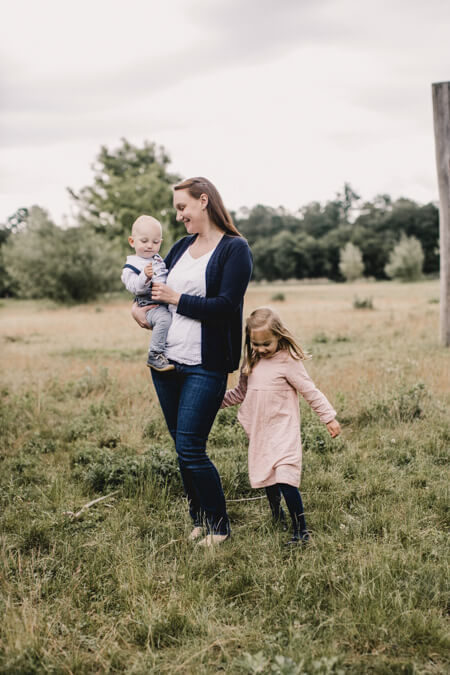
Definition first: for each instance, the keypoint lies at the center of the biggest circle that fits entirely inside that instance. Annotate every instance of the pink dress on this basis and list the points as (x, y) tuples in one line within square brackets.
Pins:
[(270, 416)]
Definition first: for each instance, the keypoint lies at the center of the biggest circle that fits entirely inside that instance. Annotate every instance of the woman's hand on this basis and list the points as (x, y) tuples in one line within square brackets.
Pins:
[(139, 315), (164, 293), (334, 428)]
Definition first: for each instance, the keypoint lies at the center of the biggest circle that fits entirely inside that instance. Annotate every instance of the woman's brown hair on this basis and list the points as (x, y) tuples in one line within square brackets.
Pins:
[(265, 317), (216, 210)]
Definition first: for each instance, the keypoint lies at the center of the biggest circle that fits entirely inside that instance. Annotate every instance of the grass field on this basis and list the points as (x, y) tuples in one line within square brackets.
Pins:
[(120, 589)]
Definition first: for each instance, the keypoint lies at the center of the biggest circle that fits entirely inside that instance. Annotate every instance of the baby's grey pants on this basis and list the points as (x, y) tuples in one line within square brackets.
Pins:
[(159, 319)]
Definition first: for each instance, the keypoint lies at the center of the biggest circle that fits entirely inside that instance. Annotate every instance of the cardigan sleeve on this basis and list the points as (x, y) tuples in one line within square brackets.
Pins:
[(235, 275), (236, 395), (298, 378)]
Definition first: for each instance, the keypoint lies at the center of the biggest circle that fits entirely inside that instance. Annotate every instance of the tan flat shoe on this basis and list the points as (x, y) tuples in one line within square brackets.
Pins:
[(196, 533), (213, 539)]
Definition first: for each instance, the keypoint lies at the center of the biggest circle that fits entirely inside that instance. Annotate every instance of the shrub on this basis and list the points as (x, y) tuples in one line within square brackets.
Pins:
[(72, 265), (362, 303), (104, 470), (406, 260), (404, 406), (351, 265), (278, 297), (170, 629), (321, 338), (155, 429), (315, 437), (92, 422), (91, 382), (39, 443), (226, 431)]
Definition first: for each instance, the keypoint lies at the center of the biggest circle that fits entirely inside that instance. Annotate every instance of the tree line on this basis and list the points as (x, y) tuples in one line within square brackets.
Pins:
[(309, 244), (342, 238)]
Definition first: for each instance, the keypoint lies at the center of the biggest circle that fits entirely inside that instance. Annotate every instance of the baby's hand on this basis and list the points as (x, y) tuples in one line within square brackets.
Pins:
[(148, 269), (334, 428)]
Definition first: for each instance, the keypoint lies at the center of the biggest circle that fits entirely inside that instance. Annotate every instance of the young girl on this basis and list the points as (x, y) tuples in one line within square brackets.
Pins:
[(271, 376)]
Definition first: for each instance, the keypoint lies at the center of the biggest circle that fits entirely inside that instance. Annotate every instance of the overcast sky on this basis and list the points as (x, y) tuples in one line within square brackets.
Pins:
[(276, 101)]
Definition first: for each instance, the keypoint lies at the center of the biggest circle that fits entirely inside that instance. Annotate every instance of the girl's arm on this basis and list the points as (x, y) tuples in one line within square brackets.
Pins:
[(298, 378), (236, 395)]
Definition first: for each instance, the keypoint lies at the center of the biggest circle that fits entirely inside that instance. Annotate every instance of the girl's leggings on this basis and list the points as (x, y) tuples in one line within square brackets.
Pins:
[(294, 503)]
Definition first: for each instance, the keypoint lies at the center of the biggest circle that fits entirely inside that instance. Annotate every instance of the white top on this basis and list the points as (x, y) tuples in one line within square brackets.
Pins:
[(184, 339)]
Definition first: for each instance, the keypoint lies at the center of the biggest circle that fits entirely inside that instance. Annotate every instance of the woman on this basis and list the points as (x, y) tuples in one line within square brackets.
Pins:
[(209, 271)]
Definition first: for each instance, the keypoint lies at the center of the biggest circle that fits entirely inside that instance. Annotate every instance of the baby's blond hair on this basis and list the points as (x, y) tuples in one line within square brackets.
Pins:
[(144, 221)]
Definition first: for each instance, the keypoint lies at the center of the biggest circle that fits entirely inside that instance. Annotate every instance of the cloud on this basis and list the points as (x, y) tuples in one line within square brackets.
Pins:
[(231, 33), (276, 84)]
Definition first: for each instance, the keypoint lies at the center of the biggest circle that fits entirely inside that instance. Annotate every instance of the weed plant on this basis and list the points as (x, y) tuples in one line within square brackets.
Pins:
[(362, 303), (278, 297), (121, 589)]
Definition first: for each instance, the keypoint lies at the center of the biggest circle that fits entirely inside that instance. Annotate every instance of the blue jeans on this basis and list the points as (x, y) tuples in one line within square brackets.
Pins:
[(190, 397)]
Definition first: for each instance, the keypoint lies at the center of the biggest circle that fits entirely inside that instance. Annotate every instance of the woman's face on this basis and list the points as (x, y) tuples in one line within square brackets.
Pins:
[(190, 211)]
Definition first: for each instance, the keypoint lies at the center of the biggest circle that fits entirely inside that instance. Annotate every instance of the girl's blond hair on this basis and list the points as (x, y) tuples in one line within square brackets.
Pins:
[(265, 317)]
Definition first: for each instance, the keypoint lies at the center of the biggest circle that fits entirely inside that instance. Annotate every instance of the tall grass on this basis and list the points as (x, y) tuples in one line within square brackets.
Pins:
[(120, 589)]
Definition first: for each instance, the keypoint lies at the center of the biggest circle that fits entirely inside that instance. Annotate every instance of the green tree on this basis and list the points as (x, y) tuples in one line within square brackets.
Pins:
[(351, 264), (347, 199), (15, 223), (287, 255), (406, 260), (72, 265), (265, 221), (284, 255), (381, 223), (263, 252), (421, 222), (318, 220), (5, 281), (128, 182)]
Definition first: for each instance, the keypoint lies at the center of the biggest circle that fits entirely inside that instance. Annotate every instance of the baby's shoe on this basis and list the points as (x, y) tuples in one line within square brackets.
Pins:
[(159, 362)]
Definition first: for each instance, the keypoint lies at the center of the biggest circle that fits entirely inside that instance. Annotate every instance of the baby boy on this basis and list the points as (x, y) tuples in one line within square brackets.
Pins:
[(137, 275)]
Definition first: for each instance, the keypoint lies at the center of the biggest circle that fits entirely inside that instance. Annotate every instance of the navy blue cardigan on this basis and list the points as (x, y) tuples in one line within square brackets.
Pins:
[(220, 312)]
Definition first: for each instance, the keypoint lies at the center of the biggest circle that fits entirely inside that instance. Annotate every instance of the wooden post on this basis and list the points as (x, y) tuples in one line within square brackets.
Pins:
[(441, 110)]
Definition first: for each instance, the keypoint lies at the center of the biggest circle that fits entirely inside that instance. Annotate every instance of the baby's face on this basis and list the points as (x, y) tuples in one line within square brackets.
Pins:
[(146, 240)]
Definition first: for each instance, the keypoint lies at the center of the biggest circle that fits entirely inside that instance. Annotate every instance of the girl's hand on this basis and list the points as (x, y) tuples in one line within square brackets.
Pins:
[(334, 428), (163, 293), (139, 315)]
